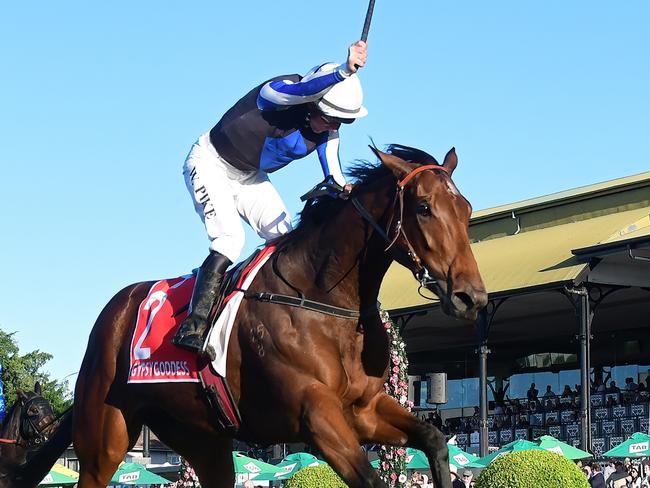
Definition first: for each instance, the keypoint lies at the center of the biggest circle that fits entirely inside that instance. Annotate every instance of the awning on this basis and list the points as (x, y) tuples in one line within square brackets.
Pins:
[(527, 261)]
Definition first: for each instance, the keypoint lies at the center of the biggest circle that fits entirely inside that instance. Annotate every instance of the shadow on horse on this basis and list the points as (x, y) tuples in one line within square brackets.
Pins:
[(295, 374), (28, 423)]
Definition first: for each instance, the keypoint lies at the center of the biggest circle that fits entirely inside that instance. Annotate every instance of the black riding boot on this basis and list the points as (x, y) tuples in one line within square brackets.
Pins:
[(191, 333)]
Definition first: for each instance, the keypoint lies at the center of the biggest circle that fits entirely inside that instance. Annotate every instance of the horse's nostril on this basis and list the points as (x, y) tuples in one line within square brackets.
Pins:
[(467, 300)]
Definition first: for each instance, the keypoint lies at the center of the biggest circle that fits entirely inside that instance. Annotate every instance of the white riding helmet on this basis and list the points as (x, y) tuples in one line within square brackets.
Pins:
[(345, 99)]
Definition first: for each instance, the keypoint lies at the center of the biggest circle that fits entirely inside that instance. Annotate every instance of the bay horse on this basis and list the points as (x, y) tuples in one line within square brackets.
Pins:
[(297, 375), (28, 423)]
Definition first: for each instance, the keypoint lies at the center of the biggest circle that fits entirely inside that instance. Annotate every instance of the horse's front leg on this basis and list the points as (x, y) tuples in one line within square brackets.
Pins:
[(385, 421), (325, 426)]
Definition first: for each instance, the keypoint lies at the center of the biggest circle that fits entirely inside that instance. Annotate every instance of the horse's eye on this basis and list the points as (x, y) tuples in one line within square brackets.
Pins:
[(424, 209)]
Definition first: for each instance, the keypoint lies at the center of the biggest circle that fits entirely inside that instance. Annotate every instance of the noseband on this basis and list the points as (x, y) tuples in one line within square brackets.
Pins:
[(420, 272), (32, 431)]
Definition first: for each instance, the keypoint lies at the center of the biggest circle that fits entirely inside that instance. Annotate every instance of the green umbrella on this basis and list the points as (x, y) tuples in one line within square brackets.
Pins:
[(416, 459), (460, 458), (57, 479), (550, 443), (514, 446), (638, 445), (136, 474), (290, 465), (252, 467)]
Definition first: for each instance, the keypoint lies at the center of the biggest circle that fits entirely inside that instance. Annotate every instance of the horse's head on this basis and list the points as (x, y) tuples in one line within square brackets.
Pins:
[(36, 419), (430, 227)]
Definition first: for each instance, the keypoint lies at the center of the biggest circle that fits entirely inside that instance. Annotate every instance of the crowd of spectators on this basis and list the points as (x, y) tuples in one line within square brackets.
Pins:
[(619, 474), (519, 413)]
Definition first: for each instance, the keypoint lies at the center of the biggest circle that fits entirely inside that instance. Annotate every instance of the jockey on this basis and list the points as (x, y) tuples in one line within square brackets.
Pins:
[(226, 171)]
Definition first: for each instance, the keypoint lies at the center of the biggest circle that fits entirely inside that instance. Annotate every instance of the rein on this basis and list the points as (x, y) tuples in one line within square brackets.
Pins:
[(421, 273)]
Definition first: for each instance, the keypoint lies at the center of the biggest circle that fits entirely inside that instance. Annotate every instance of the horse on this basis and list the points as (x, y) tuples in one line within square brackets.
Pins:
[(29, 422), (296, 374)]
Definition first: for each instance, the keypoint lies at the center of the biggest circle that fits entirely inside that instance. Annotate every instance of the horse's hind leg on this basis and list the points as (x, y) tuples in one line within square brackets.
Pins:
[(385, 421), (325, 425)]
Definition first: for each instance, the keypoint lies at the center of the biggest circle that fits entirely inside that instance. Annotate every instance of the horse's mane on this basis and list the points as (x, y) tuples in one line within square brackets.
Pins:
[(363, 174), (11, 425)]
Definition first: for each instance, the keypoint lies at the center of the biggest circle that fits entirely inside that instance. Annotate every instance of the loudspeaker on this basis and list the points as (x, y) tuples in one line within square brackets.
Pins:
[(437, 388)]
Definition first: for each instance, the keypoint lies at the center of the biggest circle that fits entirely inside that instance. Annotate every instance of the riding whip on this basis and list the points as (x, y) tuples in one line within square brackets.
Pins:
[(366, 24)]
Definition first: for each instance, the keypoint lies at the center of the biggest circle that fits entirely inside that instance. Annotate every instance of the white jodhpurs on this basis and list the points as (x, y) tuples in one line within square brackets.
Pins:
[(222, 194)]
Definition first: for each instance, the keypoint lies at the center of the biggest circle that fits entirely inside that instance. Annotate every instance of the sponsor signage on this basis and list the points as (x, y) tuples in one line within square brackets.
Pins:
[(461, 459), (129, 477), (251, 468), (639, 447)]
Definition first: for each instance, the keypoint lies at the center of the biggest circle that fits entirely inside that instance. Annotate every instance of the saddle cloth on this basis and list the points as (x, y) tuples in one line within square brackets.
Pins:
[(153, 357)]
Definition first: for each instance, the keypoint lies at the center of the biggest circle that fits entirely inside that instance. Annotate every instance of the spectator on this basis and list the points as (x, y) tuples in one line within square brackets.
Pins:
[(435, 419), (455, 481), (634, 477), (613, 388), (500, 393), (597, 479), (630, 385), (467, 478), (617, 478), (586, 470), (645, 479), (567, 393), (599, 386), (549, 392), (532, 392), (647, 381)]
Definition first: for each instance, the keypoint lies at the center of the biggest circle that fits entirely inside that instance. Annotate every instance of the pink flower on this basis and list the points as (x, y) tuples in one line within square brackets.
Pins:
[(401, 451), (393, 476)]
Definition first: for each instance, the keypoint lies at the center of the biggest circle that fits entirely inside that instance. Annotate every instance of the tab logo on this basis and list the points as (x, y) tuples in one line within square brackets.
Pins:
[(461, 459), (639, 447), (128, 477)]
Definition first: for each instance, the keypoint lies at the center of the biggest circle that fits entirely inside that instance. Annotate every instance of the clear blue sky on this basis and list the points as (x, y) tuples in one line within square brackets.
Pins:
[(100, 102)]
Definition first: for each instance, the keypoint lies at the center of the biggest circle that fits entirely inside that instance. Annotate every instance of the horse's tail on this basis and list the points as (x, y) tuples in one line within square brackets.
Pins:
[(30, 474)]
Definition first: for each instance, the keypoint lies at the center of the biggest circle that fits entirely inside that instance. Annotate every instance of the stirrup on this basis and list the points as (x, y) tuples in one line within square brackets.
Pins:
[(207, 352)]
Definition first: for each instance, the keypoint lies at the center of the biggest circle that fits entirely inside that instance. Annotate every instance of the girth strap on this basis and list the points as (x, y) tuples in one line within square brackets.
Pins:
[(312, 305)]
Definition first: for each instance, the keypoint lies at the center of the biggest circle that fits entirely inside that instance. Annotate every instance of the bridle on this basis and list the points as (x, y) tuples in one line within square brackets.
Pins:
[(33, 429), (420, 271)]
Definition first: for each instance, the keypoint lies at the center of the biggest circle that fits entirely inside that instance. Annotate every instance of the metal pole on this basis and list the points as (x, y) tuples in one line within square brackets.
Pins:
[(483, 352), (146, 434), (584, 336)]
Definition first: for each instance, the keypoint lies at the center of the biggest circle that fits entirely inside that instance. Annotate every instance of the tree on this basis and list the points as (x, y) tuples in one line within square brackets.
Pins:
[(321, 476), (20, 372), (538, 468)]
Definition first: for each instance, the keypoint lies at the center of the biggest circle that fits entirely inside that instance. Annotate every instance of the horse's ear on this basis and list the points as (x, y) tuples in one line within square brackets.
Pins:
[(37, 388), (398, 166), (21, 394), (451, 161)]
